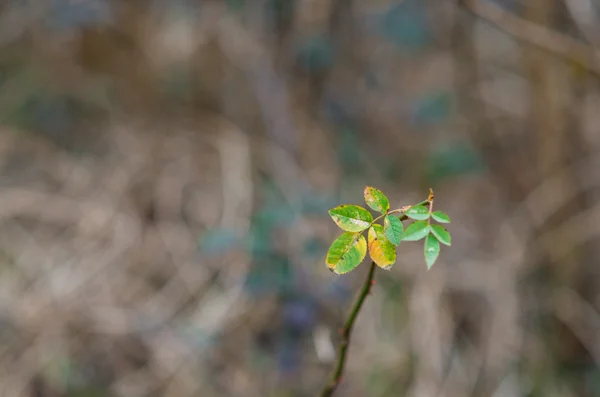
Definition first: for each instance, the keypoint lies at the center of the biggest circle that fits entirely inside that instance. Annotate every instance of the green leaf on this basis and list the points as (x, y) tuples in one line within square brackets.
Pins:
[(416, 231), (346, 252), (381, 250), (432, 250), (418, 212), (376, 199), (351, 218), (441, 234), (393, 228), (440, 217)]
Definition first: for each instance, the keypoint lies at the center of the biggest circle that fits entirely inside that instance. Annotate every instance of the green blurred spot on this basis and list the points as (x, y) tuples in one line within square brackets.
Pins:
[(592, 381), (235, 5), (260, 239), (316, 53), (270, 273), (281, 215), (391, 169), (177, 84), (406, 25), (199, 337), (216, 241), (281, 12), (314, 203), (377, 380), (349, 151), (433, 109), (451, 161), (314, 248), (264, 224), (275, 212), (88, 392)]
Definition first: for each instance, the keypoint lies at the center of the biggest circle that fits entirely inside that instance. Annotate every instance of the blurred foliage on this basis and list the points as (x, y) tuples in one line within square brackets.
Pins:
[(453, 160), (433, 109), (405, 25), (316, 54), (270, 273), (216, 241), (64, 14)]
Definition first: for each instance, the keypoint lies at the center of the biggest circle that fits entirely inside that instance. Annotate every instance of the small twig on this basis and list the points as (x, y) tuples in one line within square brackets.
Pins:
[(584, 16), (559, 44), (336, 376)]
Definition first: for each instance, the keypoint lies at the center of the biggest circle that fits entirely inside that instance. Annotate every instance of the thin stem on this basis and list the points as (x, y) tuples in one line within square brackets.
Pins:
[(430, 201), (402, 210), (397, 211), (336, 376)]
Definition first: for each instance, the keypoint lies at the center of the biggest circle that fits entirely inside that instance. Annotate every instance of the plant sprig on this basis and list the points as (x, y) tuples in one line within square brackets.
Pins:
[(350, 248)]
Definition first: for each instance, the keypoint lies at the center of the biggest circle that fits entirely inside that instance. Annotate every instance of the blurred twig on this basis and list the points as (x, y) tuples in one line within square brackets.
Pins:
[(586, 19), (17, 18), (540, 36), (581, 317), (482, 130), (512, 182)]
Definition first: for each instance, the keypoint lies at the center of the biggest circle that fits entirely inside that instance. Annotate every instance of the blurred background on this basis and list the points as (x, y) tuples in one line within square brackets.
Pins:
[(166, 168)]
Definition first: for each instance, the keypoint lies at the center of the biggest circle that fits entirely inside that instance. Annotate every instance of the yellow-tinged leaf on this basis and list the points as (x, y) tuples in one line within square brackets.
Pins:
[(351, 218), (381, 250), (346, 252), (376, 199)]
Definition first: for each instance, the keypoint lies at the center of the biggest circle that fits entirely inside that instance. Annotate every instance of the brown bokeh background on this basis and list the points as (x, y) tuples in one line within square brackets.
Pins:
[(166, 168)]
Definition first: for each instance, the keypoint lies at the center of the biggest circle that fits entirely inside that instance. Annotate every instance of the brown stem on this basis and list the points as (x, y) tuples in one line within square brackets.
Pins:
[(336, 376)]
